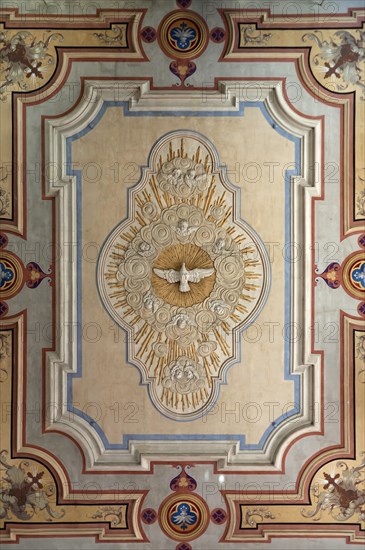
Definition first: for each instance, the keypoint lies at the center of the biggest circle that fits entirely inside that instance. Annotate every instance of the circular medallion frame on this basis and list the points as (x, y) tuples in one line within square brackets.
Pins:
[(174, 512), (354, 265), (183, 35), (12, 275)]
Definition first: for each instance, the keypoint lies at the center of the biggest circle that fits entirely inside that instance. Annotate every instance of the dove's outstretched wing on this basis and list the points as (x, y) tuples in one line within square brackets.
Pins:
[(170, 275), (196, 275)]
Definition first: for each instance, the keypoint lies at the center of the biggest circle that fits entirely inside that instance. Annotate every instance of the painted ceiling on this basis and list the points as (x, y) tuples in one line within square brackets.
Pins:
[(182, 314)]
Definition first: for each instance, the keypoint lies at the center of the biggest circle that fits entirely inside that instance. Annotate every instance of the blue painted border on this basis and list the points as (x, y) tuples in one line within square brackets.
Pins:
[(287, 346)]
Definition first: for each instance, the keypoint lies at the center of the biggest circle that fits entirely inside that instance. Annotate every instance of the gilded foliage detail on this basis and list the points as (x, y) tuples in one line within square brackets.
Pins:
[(23, 56), (23, 492), (343, 494)]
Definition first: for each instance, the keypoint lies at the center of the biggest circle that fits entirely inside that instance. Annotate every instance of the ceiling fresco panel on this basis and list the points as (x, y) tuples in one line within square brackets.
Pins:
[(182, 266)]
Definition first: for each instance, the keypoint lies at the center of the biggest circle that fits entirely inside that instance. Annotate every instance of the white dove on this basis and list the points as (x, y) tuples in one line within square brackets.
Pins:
[(184, 276)]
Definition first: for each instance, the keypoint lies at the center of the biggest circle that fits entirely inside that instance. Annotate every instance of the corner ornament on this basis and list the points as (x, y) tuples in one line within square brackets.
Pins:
[(340, 59), (183, 275), (343, 494)]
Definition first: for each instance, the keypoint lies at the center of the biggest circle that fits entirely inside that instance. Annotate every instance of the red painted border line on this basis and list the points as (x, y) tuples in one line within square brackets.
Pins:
[(133, 471), (265, 19), (102, 19), (306, 531), (74, 527), (350, 97)]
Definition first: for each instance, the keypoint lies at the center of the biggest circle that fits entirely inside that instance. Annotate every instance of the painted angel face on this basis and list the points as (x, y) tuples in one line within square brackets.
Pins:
[(183, 226)]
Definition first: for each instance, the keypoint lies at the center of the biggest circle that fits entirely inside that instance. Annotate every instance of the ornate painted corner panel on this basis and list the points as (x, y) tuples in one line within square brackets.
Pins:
[(182, 266)]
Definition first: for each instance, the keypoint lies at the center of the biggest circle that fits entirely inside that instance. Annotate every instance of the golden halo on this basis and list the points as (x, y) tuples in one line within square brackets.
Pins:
[(172, 258)]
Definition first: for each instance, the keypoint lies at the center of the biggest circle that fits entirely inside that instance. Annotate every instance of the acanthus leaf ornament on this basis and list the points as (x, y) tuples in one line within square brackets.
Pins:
[(343, 494), (22, 56)]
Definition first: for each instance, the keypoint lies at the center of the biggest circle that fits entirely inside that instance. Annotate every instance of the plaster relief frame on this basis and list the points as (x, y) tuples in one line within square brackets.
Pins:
[(70, 451), (304, 188)]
